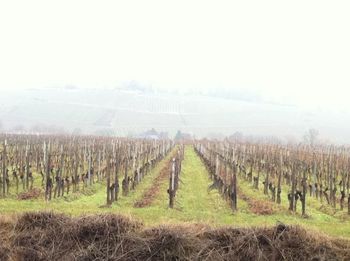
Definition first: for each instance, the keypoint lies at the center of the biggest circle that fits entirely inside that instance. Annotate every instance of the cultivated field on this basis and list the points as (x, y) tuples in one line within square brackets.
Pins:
[(202, 200)]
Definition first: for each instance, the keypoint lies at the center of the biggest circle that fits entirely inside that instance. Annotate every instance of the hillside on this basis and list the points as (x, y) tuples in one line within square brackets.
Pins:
[(131, 110)]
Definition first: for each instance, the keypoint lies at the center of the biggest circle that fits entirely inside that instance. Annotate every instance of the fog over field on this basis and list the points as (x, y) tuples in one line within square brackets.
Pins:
[(266, 68), (132, 109), (174, 130)]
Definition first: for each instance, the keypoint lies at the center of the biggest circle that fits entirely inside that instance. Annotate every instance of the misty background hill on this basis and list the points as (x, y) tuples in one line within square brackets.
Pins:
[(133, 109)]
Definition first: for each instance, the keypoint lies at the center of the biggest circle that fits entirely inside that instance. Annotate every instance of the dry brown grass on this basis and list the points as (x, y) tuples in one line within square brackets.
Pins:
[(6, 227), (258, 206), (48, 236), (30, 194), (152, 192)]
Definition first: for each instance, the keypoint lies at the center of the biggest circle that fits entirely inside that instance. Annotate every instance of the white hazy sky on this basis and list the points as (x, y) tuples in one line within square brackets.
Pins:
[(288, 51)]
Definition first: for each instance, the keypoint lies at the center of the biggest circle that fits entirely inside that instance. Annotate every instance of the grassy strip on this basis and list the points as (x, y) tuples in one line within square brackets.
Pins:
[(152, 192)]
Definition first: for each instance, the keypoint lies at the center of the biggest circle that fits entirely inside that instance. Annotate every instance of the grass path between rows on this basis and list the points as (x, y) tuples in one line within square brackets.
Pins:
[(192, 202)]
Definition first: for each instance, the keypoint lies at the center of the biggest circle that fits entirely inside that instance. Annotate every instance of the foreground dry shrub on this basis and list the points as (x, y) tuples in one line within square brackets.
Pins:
[(48, 236), (102, 237), (166, 243), (6, 227), (40, 236), (4, 252), (278, 243)]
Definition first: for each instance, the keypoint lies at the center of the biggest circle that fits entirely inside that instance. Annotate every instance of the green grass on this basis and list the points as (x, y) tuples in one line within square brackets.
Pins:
[(193, 203)]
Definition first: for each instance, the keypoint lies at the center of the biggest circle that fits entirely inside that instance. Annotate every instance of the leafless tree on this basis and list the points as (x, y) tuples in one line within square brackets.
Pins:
[(311, 137)]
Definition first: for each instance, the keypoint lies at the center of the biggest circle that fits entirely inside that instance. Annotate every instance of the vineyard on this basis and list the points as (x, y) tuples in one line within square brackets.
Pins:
[(292, 173), (172, 191)]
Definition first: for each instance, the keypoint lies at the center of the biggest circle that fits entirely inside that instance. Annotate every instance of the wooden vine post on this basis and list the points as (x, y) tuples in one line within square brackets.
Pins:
[(108, 180), (4, 159), (291, 196), (61, 180), (279, 190), (89, 166), (27, 166), (76, 167), (234, 187), (116, 177), (266, 182), (303, 198), (125, 185), (47, 158), (171, 190), (99, 166)]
